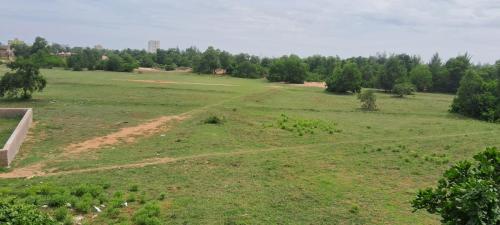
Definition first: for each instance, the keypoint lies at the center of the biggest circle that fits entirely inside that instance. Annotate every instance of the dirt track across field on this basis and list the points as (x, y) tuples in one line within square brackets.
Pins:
[(175, 82), (127, 135)]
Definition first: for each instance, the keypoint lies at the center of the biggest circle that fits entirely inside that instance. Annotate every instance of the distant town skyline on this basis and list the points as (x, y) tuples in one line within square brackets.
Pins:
[(267, 28)]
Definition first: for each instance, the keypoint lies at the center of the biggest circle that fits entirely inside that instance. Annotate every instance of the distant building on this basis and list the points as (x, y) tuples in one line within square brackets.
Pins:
[(98, 47), (6, 52), (153, 45)]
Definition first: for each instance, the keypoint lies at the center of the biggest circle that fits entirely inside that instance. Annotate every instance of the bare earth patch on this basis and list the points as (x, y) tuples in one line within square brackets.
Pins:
[(127, 135), (312, 84), (174, 82)]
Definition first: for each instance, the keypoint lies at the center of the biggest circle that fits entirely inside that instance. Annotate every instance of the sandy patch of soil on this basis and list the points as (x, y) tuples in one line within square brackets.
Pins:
[(312, 84), (25, 172), (157, 70), (174, 82), (126, 134)]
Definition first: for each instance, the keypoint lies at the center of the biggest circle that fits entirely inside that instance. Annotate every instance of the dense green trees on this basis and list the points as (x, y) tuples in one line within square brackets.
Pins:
[(394, 72), (456, 68), (23, 81), (346, 78), (468, 193), (421, 77), (477, 97), (289, 69)]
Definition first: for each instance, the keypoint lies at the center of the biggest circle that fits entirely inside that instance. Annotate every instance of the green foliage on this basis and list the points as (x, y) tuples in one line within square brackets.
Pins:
[(289, 69), (208, 62), (305, 126), (134, 188), (457, 68), (346, 78), (477, 98), (402, 89), (468, 193), (61, 214), (25, 80), (22, 214), (368, 100), (149, 214), (394, 72), (214, 119), (421, 77)]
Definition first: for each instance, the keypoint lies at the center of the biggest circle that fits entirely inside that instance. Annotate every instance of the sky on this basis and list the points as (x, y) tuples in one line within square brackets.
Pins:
[(266, 27)]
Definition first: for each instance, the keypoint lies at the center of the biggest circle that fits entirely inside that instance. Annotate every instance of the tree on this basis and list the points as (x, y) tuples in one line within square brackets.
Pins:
[(368, 100), (394, 71), (476, 98), (25, 80), (289, 69), (114, 63), (403, 88), (421, 77), (456, 67), (208, 62), (344, 79), (468, 193), (39, 44)]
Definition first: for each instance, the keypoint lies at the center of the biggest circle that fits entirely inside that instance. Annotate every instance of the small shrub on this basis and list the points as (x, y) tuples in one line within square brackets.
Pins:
[(214, 120), (368, 101), (84, 204), (60, 214), (57, 200), (142, 198), (163, 195), (131, 198), (21, 214), (149, 214), (403, 89), (134, 188)]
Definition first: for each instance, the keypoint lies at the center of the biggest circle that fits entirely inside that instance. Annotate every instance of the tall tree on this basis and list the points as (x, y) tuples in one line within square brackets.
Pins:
[(456, 68), (421, 77), (394, 71), (344, 79), (25, 80)]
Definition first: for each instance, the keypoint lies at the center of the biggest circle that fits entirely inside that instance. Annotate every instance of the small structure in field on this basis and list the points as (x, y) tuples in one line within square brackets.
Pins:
[(11, 147)]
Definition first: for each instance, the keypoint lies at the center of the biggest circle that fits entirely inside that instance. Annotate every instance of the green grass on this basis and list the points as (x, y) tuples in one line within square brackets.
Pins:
[(248, 170), (7, 126)]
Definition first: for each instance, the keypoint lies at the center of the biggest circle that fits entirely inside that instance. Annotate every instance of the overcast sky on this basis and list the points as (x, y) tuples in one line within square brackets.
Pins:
[(265, 27)]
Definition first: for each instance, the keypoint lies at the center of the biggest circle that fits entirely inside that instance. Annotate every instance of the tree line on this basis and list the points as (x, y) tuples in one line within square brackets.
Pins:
[(476, 85)]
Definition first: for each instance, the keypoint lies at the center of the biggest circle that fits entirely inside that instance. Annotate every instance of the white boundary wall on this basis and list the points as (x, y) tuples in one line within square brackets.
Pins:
[(11, 147)]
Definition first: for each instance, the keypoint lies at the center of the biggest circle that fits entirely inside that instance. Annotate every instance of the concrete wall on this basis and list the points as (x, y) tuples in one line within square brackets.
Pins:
[(11, 147)]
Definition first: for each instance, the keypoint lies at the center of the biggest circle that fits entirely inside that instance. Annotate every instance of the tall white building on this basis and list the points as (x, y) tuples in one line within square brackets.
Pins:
[(153, 45)]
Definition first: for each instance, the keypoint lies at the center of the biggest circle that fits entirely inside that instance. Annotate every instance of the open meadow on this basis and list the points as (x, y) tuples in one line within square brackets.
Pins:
[(224, 150)]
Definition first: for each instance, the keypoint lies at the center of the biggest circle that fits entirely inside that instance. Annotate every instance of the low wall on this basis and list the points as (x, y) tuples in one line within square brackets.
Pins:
[(11, 147)]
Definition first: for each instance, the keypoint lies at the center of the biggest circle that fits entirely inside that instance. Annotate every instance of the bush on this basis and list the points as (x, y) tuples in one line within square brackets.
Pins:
[(84, 204), (402, 89), (344, 79), (214, 120), (61, 214), (368, 100), (134, 188), (477, 98), (468, 193), (148, 215), (289, 69), (22, 214)]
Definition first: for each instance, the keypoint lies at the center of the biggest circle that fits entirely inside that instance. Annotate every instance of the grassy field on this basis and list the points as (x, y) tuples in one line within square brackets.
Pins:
[(348, 167), (7, 126)]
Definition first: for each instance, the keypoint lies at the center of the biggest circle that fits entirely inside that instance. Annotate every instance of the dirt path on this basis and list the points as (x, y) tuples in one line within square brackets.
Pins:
[(127, 135), (175, 82), (35, 170)]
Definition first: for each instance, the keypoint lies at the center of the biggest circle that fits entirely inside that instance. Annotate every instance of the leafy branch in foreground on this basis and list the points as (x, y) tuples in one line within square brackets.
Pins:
[(468, 193)]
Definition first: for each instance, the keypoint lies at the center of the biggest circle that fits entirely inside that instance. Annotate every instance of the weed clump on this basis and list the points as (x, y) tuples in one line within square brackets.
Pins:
[(214, 120), (149, 214), (305, 126)]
